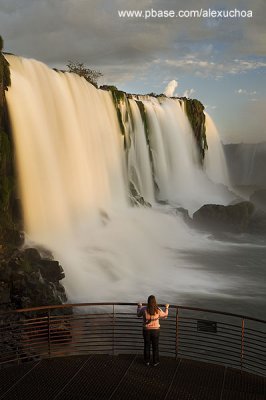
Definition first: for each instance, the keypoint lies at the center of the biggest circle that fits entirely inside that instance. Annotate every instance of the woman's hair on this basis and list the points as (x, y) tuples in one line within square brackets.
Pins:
[(152, 306)]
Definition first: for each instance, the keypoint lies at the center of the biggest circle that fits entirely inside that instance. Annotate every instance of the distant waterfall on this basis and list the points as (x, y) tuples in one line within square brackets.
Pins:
[(76, 163)]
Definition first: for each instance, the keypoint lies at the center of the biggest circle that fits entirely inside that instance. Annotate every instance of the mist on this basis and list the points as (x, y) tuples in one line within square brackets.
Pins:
[(247, 125)]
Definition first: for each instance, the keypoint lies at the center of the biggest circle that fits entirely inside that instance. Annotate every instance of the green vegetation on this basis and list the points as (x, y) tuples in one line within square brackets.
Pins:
[(4, 73), (7, 185), (81, 69), (146, 130), (118, 97), (144, 118)]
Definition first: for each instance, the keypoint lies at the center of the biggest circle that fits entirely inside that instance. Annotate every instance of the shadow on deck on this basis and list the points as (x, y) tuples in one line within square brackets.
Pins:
[(126, 377)]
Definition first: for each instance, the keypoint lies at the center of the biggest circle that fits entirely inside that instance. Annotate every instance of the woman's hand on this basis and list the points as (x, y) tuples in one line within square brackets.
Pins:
[(166, 305)]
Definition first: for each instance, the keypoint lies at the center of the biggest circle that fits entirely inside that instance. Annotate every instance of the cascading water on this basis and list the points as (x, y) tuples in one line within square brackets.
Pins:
[(179, 177), (139, 166), (214, 162), (74, 177), (68, 151)]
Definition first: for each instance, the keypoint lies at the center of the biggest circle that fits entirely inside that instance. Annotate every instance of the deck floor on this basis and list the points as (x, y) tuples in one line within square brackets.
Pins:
[(126, 377)]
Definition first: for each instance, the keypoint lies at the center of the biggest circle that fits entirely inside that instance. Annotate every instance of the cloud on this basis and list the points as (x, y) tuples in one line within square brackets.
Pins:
[(248, 94), (55, 31), (244, 91), (209, 68), (170, 88)]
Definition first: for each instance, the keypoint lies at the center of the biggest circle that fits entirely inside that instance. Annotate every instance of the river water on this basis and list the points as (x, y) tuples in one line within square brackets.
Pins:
[(239, 264)]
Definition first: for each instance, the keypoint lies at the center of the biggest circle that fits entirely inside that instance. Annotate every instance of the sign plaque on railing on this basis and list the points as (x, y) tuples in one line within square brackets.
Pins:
[(206, 326)]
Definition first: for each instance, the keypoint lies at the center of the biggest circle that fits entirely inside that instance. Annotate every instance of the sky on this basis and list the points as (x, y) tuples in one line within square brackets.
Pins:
[(220, 61)]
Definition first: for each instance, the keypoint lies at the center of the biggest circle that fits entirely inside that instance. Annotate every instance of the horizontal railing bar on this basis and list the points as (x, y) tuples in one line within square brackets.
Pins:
[(251, 356), (232, 332), (208, 334), (65, 306), (20, 324), (251, 333), (250, 343), (247, 362), (192, 320), (214, 345), (208, 349), (218, 338), (33, 346), (17, 355), (226, 350), (79, 343), (80, 347), (23, 358)]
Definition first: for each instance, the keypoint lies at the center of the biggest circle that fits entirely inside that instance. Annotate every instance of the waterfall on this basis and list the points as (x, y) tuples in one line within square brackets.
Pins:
[(67, 147), (173, 148), (139, 165), (214, 162), (75, 166)]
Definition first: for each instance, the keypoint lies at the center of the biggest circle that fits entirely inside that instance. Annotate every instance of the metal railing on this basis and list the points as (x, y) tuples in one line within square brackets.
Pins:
[(113, 328)]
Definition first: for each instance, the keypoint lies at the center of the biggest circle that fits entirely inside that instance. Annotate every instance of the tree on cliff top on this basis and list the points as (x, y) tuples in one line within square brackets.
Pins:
[(81, 69)]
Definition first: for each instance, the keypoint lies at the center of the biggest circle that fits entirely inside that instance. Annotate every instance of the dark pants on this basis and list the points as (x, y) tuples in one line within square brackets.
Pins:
[(151, 337)]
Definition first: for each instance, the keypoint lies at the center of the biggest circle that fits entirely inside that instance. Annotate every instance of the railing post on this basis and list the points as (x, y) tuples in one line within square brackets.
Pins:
[(49, 333), (113, 346), (176, 333), (242, 342)]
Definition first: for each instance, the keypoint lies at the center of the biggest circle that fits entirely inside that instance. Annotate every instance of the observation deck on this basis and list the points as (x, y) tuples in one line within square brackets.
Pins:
[(94, 351)]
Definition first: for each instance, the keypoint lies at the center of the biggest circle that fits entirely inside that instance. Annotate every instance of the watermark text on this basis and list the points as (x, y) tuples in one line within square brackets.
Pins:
[(199, 13)]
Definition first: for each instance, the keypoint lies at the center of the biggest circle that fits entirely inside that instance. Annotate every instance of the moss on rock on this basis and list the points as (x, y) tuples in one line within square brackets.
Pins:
[(118, 97)]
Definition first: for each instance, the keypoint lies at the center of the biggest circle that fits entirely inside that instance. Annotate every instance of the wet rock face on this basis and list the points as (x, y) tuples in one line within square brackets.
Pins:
[(233, 218), (28, 280), (135, 198), (196, 116)]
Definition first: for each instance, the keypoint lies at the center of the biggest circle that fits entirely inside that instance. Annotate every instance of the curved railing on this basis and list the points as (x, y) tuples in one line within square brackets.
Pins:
[(113, 328)]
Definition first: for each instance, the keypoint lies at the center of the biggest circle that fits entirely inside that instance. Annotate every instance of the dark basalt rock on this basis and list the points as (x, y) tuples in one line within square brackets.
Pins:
[(233, 218), (135, 198), (259, 199), (28, 280), (185, 215), (258, 223), (196, 116), (51, 270)]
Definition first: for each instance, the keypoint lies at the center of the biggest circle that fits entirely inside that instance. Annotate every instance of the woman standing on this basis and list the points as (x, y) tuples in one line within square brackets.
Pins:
[(151, 328)]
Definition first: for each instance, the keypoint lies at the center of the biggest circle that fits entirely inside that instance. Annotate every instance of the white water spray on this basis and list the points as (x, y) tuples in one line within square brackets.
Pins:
[(170, 88), (74, 186)]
